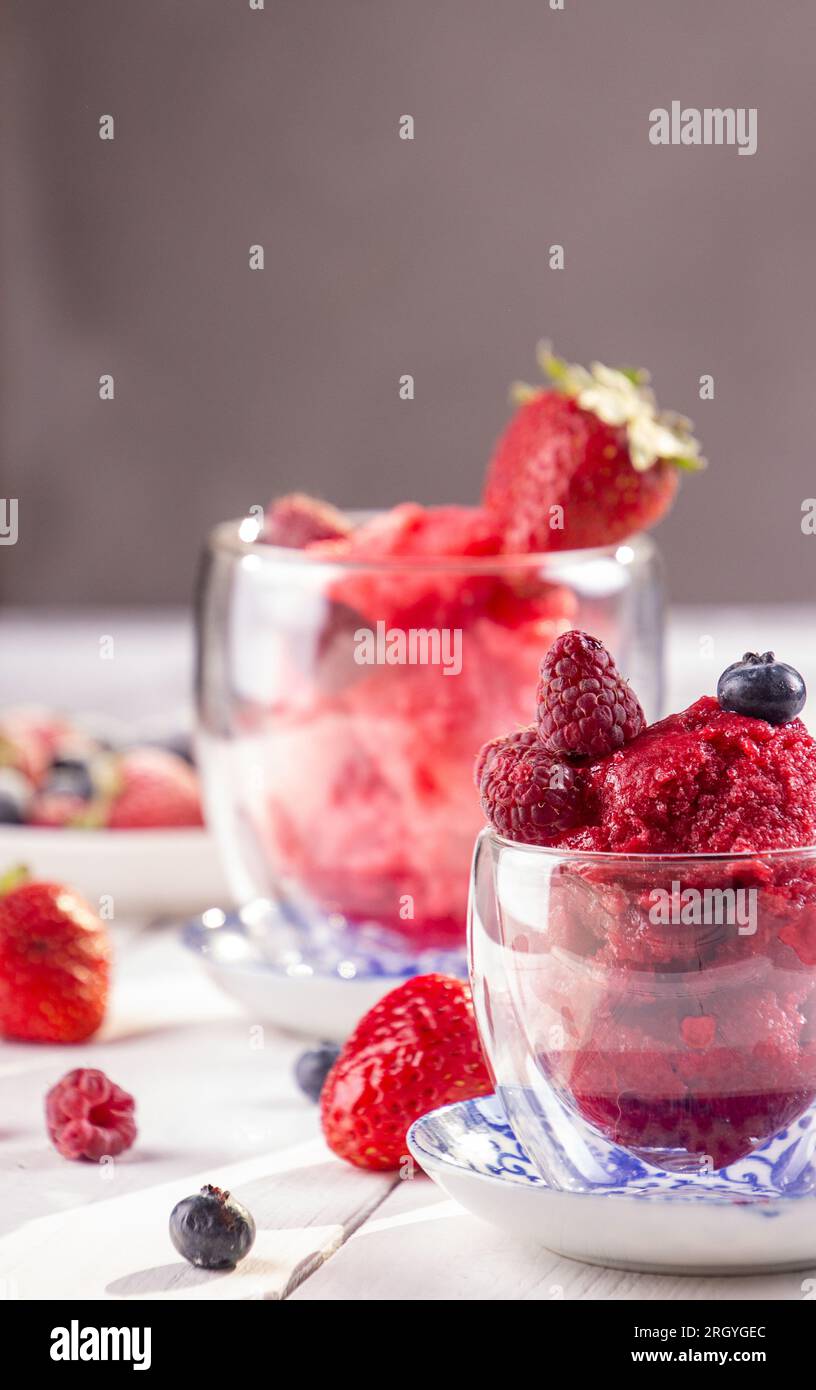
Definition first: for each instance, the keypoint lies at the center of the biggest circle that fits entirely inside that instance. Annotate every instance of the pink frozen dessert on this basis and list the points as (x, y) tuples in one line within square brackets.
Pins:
[(369, 801)]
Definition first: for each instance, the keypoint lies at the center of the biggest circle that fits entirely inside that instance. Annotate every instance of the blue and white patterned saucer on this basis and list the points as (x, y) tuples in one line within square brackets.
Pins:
[(738, 1222), (316, 977)]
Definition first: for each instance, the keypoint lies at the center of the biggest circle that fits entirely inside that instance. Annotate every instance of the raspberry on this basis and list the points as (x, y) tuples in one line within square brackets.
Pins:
[(88, 1116), (527, 794), (585, 707), (485, 754)]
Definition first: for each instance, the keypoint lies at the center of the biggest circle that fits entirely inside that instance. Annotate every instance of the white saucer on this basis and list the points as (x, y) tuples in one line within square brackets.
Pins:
[(317, 981), (148, 873), (738, 1223)]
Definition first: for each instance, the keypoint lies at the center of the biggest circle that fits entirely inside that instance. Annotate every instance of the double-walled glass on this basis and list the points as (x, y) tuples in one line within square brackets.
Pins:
[(340, 706), (656, 1007)]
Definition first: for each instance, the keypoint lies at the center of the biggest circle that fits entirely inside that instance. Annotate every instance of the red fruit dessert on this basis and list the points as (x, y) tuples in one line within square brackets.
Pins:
[(88, 1116), (415, 1050), (586, 462), (54, 964), (682, 988)]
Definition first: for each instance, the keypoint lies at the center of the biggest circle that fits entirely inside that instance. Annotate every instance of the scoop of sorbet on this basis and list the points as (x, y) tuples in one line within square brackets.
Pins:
[(705, 780)]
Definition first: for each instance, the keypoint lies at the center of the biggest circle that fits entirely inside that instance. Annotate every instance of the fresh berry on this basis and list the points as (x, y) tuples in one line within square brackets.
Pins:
[(70, 776), (88, 1116), (212, 1230), (586, 463), (485, 753), (15, 796), (54, 965), (527, 793), (763, 688), (585, 707), (312, 1068), (416, 1049), (298, 520), (157, 790)]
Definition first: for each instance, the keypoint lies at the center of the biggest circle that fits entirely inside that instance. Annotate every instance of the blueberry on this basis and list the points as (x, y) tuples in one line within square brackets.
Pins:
[(70, 777), (15, 796), (763, 688), (312, 1068), (211, 1229)]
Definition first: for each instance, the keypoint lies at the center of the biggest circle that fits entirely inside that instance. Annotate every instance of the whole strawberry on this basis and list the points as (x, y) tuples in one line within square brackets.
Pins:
[(527, 793), (586, 462), (157, 789), (54, 965), (585, 707), (415, 1050)]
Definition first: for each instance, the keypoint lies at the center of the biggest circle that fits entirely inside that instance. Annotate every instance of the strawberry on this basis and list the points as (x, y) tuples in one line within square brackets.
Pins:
[(157, 789), (54, 963), (415, 1050), (587, 462)]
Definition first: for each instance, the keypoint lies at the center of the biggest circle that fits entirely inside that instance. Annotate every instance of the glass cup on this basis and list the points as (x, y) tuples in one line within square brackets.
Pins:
[(648, 1007), (341, 705)]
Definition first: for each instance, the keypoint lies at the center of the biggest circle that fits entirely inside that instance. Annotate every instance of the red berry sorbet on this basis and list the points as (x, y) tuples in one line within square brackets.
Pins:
[(677, 1000)]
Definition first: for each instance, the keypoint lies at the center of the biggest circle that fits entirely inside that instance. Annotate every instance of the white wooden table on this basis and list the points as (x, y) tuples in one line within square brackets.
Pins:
[(215, 1107)]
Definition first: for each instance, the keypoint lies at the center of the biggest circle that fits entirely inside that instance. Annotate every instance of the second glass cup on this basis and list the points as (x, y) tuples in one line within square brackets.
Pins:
[(340, 706)]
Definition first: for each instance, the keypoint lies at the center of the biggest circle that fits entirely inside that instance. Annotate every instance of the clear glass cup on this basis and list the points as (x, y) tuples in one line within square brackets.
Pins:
[(661, 1008), (338, 767)]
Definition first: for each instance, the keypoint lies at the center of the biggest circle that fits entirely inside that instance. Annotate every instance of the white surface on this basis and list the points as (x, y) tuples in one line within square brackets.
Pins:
[(216, 1105)]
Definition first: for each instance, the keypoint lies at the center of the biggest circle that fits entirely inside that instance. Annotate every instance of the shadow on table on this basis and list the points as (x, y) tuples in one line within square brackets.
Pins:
[(163, 1279)]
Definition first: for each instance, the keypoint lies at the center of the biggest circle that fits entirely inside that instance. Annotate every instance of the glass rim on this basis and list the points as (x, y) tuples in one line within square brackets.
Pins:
[(612, 857), (226, 538)]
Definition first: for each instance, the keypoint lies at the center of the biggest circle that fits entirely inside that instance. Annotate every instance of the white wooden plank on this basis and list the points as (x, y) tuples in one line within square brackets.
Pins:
[(303, 1202), (419, 1245)]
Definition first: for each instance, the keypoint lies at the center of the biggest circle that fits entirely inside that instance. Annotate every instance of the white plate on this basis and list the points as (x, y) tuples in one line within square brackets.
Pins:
[(316, 982), (146, 872), (657, 1222)]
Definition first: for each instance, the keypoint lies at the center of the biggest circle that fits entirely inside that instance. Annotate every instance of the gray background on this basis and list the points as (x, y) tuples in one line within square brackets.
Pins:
[(383, 257)]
